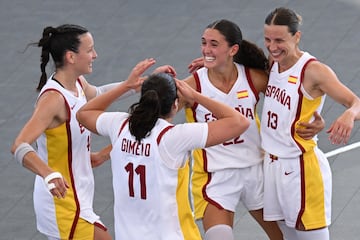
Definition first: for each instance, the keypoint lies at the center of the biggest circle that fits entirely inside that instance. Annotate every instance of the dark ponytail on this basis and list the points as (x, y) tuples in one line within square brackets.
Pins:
[(44, 43), (250, 55), (158, 94), (55, 42)]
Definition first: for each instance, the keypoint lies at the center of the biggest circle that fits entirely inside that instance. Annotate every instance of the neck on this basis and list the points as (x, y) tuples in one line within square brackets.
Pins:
[(67, 81), (225, 79), (290, 61)]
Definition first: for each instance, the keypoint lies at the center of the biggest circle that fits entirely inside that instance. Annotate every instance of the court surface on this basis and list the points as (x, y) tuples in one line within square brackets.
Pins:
[(126, 32)]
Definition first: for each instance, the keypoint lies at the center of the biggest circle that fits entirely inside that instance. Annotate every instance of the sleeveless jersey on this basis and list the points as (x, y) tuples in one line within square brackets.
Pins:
[(65, 149), (150, 194), (286, 103), (242, 151)]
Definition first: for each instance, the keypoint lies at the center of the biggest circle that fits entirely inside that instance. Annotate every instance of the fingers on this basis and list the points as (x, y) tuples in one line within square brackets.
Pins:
[(185, 92), (317, 116), (338, 135), (142, 66), (196, 64), (171, 71), (307, 130), (166, 69), (305, 133), (56, 184), (58, 188)]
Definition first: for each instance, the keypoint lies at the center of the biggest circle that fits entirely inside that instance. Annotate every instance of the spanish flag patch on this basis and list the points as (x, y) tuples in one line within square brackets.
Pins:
[(242, 94), (292, 79)]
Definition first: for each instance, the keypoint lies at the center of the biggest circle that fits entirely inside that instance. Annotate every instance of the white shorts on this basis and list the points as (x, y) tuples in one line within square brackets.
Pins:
[(298, 190), (229, 186)]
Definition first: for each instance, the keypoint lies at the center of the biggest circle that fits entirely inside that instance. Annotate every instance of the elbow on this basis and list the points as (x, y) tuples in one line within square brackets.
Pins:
[(246, 123), (15, 145), (243, 125), (13, 148), (79, 117)]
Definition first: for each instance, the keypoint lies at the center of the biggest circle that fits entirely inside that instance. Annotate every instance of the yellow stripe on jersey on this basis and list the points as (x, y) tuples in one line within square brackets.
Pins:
[(188, 226), (199, 177), (257, 118), (58, 160), (242, 94), (313, 216), (189, 115), (308, 108), (292, 79)]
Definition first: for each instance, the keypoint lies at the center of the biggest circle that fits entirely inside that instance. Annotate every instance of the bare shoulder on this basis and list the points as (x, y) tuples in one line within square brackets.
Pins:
[(316, 72), (52, 104), (319, 78)]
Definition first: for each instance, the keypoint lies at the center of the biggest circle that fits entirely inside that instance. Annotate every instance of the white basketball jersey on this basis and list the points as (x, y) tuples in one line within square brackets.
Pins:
[(239, 152), (286, 103), (65, 149), (134, 165)]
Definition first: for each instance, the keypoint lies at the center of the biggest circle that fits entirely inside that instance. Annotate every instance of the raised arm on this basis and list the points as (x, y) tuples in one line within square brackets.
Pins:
[(88, 114)]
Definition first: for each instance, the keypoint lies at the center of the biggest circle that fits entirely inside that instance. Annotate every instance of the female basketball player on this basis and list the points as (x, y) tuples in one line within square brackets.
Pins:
[(235, 72), (149, 153), (64, 185), (297, 174)]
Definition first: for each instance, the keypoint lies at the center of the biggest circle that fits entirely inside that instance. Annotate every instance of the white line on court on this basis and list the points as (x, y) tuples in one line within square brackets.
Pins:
[(342, 149)]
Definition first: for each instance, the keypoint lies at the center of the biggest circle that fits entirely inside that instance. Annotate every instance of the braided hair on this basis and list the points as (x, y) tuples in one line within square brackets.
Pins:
[(55, 42)]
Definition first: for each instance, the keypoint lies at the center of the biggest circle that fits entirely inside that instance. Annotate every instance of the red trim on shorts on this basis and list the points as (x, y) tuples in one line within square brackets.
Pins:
[(205, 196), (101, 226)]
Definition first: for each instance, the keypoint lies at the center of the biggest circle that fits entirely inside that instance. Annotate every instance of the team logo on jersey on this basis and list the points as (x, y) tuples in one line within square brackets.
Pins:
[(292, 79), (242, 94)]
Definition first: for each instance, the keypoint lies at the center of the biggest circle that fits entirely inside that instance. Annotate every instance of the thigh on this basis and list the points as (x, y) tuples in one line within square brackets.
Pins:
[(101, 232), (215, 216)]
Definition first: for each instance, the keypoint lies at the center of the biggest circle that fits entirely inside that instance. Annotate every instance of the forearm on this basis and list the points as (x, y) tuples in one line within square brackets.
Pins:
[(219, 109), (107, 87), (32, 162), (87, 115), (355, 109), (98, 158), (104, 100)]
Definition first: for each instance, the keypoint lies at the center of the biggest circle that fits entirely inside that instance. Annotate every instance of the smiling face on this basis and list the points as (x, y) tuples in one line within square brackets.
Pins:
[(281, 44), (85, 55), (216, 49)]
